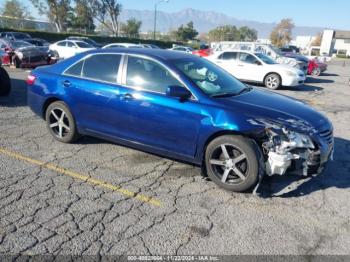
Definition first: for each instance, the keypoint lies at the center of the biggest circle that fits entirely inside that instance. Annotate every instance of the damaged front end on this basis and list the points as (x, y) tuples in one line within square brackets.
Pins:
[(302, 153), (288, 150)]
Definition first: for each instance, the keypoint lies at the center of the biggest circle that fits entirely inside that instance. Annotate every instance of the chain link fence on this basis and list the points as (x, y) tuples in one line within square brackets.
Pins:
[(26, 24)]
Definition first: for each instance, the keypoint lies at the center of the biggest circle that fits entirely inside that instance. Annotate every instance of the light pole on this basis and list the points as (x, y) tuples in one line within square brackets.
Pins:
[(155, 16)]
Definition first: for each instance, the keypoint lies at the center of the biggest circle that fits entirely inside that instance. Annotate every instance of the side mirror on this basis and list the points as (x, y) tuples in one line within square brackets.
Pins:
[(257, 62), (178, 91)]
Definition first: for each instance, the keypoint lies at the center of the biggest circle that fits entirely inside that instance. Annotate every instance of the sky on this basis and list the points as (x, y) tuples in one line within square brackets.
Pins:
[(319, 13)]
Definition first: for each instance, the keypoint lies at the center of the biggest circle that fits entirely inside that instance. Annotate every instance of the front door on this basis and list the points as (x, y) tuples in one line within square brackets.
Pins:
[(155, 119)]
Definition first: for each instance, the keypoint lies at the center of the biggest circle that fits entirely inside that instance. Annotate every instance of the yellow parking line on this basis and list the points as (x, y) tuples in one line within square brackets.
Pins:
[(84, 178)]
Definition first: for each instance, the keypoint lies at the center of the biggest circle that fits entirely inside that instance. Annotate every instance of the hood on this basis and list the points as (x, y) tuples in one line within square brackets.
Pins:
[(262, 107)]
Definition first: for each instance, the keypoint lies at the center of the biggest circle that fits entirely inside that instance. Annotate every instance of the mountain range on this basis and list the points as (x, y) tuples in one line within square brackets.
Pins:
[(204, 21)]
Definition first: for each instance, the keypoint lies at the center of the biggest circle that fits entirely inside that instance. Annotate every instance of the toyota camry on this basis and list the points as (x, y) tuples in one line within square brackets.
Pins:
[(182, 107)]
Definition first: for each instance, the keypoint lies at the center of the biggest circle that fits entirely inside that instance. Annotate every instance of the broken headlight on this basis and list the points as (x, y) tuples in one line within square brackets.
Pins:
[(280, 150)]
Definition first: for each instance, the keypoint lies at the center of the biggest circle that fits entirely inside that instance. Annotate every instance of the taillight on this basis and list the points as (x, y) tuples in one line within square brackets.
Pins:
[(31, 80)]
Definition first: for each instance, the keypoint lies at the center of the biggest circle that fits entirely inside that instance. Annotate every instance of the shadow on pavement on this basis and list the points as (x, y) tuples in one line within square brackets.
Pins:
[(314, 80), (17, 96), (336, 175)]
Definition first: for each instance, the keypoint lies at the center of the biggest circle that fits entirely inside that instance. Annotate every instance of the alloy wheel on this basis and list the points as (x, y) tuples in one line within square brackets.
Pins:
[(272, 82), (229, 164), (59, 122)]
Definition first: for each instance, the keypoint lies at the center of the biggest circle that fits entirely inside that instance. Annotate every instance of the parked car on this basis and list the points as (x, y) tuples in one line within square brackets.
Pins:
[(37, 42), (5, 83), (256, 67), (86, 40), (257, 47), (13, 36), (185, 49), (203, 51), (183, 107), (44, 45), (69, 48), (314, 68), (122, 45), (23, 54)]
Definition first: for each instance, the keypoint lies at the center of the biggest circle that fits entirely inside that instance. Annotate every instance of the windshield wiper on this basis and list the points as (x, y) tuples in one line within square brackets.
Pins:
[(228, 94), (224, 95), (245, 90)]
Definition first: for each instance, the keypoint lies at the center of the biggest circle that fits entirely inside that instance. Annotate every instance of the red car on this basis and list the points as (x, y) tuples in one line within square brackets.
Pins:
[(203, 51), (315, 67)]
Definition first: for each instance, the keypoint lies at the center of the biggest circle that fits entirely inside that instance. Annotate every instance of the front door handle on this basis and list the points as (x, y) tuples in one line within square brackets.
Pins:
[(127, 96)]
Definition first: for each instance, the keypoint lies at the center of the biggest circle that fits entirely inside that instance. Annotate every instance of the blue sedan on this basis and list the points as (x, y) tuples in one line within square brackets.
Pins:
[(183, 107)]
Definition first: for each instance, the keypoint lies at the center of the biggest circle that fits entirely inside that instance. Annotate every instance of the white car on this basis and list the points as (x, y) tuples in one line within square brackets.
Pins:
[(185, 49), (259, 68), (122, 45), (69, 48)]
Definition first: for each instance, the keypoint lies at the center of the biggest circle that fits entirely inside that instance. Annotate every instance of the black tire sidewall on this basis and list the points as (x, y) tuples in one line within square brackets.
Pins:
[(278, 78), (73, 134), (5, 82), (248, 148)]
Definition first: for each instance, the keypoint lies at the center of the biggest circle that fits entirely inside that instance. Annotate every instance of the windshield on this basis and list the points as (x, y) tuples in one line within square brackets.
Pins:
[(266, 59), (211, 79), (19, 44), (90, 42), (83, 45)]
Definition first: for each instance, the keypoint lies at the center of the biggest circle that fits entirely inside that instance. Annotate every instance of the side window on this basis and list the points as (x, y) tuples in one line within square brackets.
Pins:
[(75, 70), (102, 67), (247, 58), (70, 44), (149, 75), (61, 43), (228, 56)]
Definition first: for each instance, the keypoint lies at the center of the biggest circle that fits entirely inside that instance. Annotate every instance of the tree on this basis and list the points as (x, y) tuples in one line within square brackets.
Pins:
[(58, 11), (282, 33), (318, 40), (132, 28), (83, 18), (107, 13), (186, 33), (14, 8), (224, 33), (247, 34)]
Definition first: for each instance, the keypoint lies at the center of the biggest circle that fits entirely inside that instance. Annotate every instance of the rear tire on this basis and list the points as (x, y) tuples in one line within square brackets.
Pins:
[(232, 163), (60, 122), (273, 81), (5, 82)]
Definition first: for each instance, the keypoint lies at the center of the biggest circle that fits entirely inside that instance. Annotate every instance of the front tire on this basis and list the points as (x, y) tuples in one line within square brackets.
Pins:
[(5, 82), (60, 122), (273, 81), (316, 72), (232, 163)]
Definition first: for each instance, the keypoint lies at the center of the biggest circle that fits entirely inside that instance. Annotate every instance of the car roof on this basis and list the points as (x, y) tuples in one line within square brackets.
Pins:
[(153, 53)]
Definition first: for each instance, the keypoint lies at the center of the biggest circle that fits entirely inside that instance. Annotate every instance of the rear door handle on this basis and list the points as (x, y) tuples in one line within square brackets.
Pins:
[(67, 83), (240, 65)]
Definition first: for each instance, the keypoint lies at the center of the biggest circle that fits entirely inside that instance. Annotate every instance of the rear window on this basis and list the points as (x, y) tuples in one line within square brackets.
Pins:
[(102, 67), (228, 56), (75, 70)]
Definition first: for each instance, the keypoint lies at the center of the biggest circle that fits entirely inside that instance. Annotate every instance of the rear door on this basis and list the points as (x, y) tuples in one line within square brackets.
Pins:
[(228, 61), (92, 85)]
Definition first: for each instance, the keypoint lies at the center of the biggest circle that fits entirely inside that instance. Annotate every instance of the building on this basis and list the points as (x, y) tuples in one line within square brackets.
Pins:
[(335, 41)]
